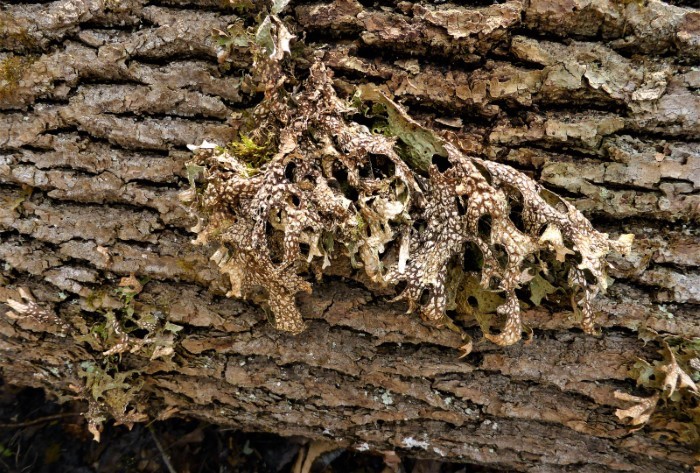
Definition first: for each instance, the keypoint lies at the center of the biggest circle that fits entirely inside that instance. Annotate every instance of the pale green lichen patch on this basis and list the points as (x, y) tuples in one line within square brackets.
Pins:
[(115, 334), (125, 325), (421, 144), (111, 392), (402, 204)]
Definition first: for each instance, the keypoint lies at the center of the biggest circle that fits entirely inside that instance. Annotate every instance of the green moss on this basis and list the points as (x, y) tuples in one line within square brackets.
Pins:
[(12, 70), (10, 203), (239, 6), (14, 36), (186, 265), (251, 153), (95, 299)]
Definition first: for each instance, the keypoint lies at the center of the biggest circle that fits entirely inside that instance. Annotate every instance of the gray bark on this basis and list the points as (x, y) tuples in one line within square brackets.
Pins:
[(596, 100)]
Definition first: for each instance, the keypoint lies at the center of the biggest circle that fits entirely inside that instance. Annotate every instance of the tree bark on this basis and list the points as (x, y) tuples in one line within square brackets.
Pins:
[(597, 100)]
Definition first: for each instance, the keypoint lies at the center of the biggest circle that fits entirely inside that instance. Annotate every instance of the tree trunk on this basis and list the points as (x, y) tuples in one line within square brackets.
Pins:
[(597, 101)]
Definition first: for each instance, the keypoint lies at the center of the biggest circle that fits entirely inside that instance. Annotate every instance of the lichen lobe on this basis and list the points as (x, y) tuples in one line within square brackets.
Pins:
[(403, 206)]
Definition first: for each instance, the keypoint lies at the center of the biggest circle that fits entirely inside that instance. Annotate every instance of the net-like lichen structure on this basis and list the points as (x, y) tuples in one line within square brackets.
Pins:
[(403, 205)]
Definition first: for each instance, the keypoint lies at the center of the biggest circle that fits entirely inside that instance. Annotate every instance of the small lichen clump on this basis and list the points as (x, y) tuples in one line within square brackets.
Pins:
[(403, 205)]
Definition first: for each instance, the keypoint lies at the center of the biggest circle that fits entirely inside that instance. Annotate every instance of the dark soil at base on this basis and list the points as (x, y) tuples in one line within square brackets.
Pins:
[(38, 435)]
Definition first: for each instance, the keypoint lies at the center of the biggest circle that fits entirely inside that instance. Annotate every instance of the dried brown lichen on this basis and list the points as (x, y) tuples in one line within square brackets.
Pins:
[(28, 308), (404, 205)]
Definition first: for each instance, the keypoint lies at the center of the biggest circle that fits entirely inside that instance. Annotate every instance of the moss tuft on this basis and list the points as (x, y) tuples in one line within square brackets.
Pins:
[(12, 69)]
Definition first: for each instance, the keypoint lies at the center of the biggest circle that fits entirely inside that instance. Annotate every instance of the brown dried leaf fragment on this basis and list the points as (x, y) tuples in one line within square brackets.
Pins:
[(674, 376), (641, 410)]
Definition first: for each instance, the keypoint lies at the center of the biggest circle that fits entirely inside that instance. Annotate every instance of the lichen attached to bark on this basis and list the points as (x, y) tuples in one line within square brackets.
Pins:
[(401, 203)]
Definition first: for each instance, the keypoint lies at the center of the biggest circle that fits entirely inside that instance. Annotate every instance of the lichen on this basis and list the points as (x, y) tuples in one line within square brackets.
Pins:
[(403, 204), (110, 392), (672, 405), (115, 334), (127, 325), (28, 308)]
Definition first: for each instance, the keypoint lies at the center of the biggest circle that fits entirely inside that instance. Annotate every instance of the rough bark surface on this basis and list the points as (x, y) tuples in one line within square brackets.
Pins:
[(597, 100)]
